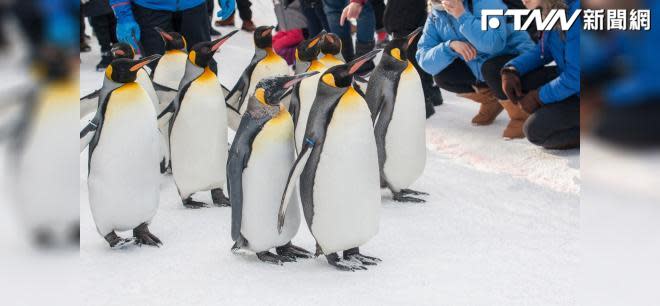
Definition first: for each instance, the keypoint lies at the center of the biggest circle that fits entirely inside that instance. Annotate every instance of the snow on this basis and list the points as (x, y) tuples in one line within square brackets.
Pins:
[(499, 228)]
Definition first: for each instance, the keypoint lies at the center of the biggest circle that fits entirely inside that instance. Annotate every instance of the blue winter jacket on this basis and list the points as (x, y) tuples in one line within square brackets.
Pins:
[(434, 53), (163, 5), (565, 52)]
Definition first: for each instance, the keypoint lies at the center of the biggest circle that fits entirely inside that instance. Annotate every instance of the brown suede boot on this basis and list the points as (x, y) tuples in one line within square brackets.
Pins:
[(229, 22), (489, 108), (518, 117), (248, 26)]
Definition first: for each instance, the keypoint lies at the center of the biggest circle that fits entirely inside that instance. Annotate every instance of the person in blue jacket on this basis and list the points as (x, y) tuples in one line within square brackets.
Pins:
[(551, 94), (137, 19), (463, 58)]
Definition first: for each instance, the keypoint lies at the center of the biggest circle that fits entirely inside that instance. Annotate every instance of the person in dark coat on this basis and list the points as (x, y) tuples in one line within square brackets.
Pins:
[(103, 22), (400, 19)]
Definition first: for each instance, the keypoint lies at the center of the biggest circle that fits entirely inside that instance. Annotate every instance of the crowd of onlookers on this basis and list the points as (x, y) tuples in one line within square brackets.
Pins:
[(502, 69)]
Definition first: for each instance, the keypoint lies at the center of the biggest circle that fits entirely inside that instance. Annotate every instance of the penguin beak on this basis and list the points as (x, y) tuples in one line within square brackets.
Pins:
[(144, 61), (413, 35), (298, 78), (358, 62), (216, 44), (316, 39), (163, 34), (268, 31)]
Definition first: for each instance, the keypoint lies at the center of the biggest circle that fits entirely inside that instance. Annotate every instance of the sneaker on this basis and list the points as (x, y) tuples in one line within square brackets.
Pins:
[(106, 59), (248, 26)]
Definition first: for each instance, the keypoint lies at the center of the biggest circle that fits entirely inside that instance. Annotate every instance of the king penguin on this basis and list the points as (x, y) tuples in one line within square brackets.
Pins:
[(198, 128), (257, 171), (337, 170), (331, 50), (304, 93), (123, 179), (264, 63), (396, 101)]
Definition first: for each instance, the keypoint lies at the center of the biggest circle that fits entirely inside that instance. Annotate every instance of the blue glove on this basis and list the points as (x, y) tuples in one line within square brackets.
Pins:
[(227, 8), (128, 31)]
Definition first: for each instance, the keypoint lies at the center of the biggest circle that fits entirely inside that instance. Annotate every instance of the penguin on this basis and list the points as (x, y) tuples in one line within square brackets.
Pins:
[(396, 101), (304, 93), (331, 50), (337, 170), (264, 63), (198, 128), (257, 171), (124, 152), (40, 161), (89, 103)]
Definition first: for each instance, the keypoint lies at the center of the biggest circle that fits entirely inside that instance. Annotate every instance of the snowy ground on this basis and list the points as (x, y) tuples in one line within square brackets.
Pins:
[(500, 228)]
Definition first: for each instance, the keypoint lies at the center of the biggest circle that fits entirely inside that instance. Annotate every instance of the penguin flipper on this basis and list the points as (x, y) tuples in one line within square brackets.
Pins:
[(169, 109), (294, 105), (87, 134), (239, 155), (89, 103), (237, 96), (294, 175)]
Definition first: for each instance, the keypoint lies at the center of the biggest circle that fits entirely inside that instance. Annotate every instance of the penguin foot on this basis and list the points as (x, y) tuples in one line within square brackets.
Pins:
[(400, 197), (163, 166), (273, 258), (412, 192), (342, 264), (117, 242), (293, 251), (219, 198), (143, 236), (192, 204), (354, 255)]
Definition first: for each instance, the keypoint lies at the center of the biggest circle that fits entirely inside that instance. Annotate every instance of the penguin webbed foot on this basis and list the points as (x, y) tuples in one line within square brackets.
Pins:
[(163, 166), (402, 198), (354, 255), (274, 258), (412, 192), (192, 204), (117, 242), (219, 198), (342, 264), (143, 236), (293, 251)]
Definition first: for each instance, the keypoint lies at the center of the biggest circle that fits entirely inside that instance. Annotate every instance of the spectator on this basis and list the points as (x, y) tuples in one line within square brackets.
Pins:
[(462, 57), (338, 11), (316, 19), (103, 23), (379, 14), (244, 12), (290, 25)]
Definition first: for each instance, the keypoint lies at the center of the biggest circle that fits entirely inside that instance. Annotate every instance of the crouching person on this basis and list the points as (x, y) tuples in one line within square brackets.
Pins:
[(550, 94), (467, 61)]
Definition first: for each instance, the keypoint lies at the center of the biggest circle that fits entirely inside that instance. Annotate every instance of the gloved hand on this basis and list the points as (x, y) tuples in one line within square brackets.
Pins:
[(511, 84), (531, 102), (128, 31), (227, 8)]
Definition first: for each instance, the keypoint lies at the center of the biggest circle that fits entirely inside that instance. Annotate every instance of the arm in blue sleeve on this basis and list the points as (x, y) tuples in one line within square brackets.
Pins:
[(433, 53), (568, 82), (491, 41), (529, 61), (122, 9)]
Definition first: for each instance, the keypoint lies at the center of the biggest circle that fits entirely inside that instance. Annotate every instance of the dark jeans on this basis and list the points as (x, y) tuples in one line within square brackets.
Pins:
[(244, 10), (366, 25), (316, 19), (192, 23), (104, 27), (554, 125), (379, 13)]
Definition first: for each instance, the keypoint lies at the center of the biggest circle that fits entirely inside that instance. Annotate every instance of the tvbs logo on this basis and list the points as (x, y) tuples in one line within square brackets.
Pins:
[(489, 19)]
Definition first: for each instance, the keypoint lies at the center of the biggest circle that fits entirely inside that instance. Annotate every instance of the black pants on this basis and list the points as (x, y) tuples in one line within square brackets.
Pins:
[(192, 23), (458, 77), (554, 125), (244, 10), (315, 16), (104, 27), (491, 73), (636, 126), (379, 12)]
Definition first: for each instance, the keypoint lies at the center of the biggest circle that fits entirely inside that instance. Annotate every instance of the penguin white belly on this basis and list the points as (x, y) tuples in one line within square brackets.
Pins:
[(144, 81), (198, 140), (44, 182), (264, 180), (347, 184), (307, 95), (405, 141), (124, 178), (170, 69), (266, 68)]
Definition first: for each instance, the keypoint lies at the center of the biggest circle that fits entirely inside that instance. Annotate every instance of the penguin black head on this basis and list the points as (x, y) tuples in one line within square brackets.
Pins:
[(270, 90), (263, 37), (330, 44), (173, 40), (124, 70), (54, 64), (202, 53), (342, 75), (122, 50), (309, 50), (398, 47)]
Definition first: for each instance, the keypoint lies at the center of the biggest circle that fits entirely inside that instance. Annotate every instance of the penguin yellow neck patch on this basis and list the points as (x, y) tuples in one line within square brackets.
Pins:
[(396, 53), (329, 79), (316, 66), (108, 72), (260, 94), (192, 56)]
